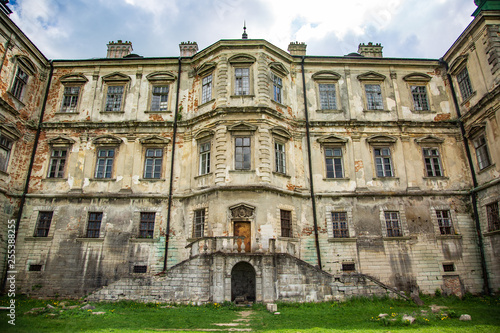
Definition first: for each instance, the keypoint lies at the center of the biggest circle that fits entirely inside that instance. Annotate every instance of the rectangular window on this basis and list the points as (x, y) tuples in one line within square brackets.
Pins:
[(199, 223), (448, 267), (206, 89), (280, 157), (5, 149), (392, 224), (114, 98), (242, 153), (374, 97), (277, 88), (383, 162), (104, 165), (20, 83), (464, 84), (153, 163), (70, 99), (333, 159), (432, 162), (348, 267), (35, 268), (159, 98), (419, 94), (444, 222), (339, 224), (140, 269), (147, 226), (242, 81), (327, 97), (43, 224), (286, 223), (94, 225), (482, 154), (204, 158), (57, 163), (493, 216)]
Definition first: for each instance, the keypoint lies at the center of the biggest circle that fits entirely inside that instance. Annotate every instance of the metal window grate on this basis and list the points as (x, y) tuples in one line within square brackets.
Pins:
[(448, 267), (199, 223), (140, 269), (348, 267), (35, 268)]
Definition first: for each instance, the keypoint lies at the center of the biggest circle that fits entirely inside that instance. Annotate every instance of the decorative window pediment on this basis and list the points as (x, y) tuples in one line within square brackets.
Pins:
[(417, 77), (279, 68), (61, 141), (107, 140), (326, 76), (242, 127), (281, 132), (73, 78), (381, 139), (458, 64), (371, 76), (203, 134), (206, 68), (429, 139), (242, 211), (242, 59), (161, 77), (333, 140), (154, 140), (475, 130), (116, 77), (26, 63), (10, 131)]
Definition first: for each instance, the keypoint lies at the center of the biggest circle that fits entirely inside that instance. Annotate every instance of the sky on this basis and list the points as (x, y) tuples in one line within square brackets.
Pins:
[(80, 29)]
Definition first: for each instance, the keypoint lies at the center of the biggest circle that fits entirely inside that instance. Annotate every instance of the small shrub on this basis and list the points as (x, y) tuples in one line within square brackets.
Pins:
[(438, 292)]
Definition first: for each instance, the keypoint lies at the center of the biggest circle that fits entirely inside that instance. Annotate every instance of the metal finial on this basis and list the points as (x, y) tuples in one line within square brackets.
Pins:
[(244, 36)]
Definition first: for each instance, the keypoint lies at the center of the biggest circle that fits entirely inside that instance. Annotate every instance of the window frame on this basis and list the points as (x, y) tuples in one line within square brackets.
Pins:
[(334, 158), (389, 224), (239, 88), (464, 83), (339, 230), (199, 220), (107, 100), (445, 223), (161, 94), (430, 163), (368, 103), (95, 231), (6, 144), (329, 97), (242, 137), (61, 170), (204, 157), (277, 84), (420, 99), (382, 157), (147, 225), (286, 227), (326, 77), (482, 151), (71, 81), (206, 88), (493, 216), (280, 164), (106, 158), (44, 220), (154, 159)]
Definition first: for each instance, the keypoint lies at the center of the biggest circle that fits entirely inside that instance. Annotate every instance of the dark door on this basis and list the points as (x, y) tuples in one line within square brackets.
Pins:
[(243, 229), (243, 282)]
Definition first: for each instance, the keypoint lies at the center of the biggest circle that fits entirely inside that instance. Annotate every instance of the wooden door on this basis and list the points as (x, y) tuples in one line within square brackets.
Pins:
[(243, 229)]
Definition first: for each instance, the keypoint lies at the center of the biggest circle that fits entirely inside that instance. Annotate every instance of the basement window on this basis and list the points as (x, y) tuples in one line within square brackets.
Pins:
[(35, 268), (348, 267), (140, 269), (448, 267)]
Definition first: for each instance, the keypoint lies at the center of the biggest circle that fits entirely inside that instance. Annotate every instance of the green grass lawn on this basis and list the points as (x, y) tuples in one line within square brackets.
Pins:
[(357, 315)]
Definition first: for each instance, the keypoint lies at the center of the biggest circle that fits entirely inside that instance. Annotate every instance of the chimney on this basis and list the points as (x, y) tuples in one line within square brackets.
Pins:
[(370, 50), (297, 48), (119, 49), (188, 49)]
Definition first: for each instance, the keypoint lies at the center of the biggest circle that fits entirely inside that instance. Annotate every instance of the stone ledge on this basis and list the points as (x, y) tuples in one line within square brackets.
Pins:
[(85, 239), (38, 239), (342, 240)]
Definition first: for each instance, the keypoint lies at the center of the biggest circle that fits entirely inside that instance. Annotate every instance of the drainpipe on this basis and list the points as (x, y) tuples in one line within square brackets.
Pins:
[(486, 285), (32, 161), (169, 208), (311, 183)]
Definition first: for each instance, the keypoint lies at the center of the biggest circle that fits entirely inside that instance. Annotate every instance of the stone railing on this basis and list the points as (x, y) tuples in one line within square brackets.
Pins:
[(235, 244)]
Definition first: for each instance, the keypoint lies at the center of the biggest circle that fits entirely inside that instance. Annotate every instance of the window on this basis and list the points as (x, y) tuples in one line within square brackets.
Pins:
[(448, 267), (199, 223), (383, 162), (35, 268), (280, 157), (392, 224), (147, 225), (104, 165), (339, 223), (286, 223), (5, 149), (419, 94), (152, 163), (114, 98), (493, 216), (159, 98), (277, 88), (333, 159), (444, 222), (432, 162), (464, 84), (242, 153), (20, 83), (70, 99), (327, 97), (242, 81), (206, 89), (374, 97), (348, 267), (43, 224), (94, 225), (140, 269), (57, 163), (482, 154), (204, 158)]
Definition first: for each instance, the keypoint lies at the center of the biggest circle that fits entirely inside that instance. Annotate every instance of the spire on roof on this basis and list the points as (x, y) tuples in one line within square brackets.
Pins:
[(244, 36)]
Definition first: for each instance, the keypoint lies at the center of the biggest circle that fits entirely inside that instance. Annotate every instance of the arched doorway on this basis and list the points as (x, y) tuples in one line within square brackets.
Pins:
[(243, 282)]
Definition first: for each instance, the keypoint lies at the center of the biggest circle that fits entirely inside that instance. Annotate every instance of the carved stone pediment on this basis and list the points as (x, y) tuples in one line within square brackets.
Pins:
[(204, 133), (281, 131), (429, 139), (61, 141), (154, 140), (326, 76), (371, 76), (417, 77), (242, 58), (116, 77), (73, 78), (458, 64), (279, 68), (107, 140), (381, 139), (332, 139), (242, 127), (206, 68), (10, 131), (242, 211), (161, 77), (26, 63), (475, 130)]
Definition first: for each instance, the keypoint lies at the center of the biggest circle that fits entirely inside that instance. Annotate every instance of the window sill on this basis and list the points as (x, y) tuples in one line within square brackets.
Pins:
[(436, 178), (236, 96), (400, 238), (16, 99), (4, 173), (152, 180), (468, 99), (284, 175), (492, 233), (38, 239), (241, 171), (204, 175), (206, 103), (336, 179), (111, 112), (329, 111), (66, 113), (54, 179), (288, 239), (342, 240), (385, 178), (150, 111), (486, 168), (144, 240), (102, 179), (90, 240), (279, 104), (440, 236), (377, 110), (423, 111)]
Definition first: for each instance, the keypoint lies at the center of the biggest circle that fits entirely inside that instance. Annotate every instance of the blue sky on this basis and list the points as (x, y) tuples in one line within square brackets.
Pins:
[(80, 29)]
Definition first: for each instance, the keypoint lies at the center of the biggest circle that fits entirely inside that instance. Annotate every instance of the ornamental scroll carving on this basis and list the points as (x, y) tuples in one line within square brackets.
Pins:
[(242, 211)]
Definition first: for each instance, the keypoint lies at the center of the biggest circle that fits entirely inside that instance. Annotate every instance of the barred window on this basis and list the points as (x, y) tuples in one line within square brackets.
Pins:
[(159, 98), (444, 222), (57, 163), (286, 223), (464, 84), (199, 223), (493, 216), (104, 165), (333, 161), (147, 225), (153, 163), (383, 163), (206, 90), (280, 157), (432, 162), (114, 98), (242, 153), (327, 97), (392, 224), (94, 225), (70, 99), (43, 224), (242, 81), (277, 88), (204, 158), (419, 94), (339, 223), (374, 97)]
